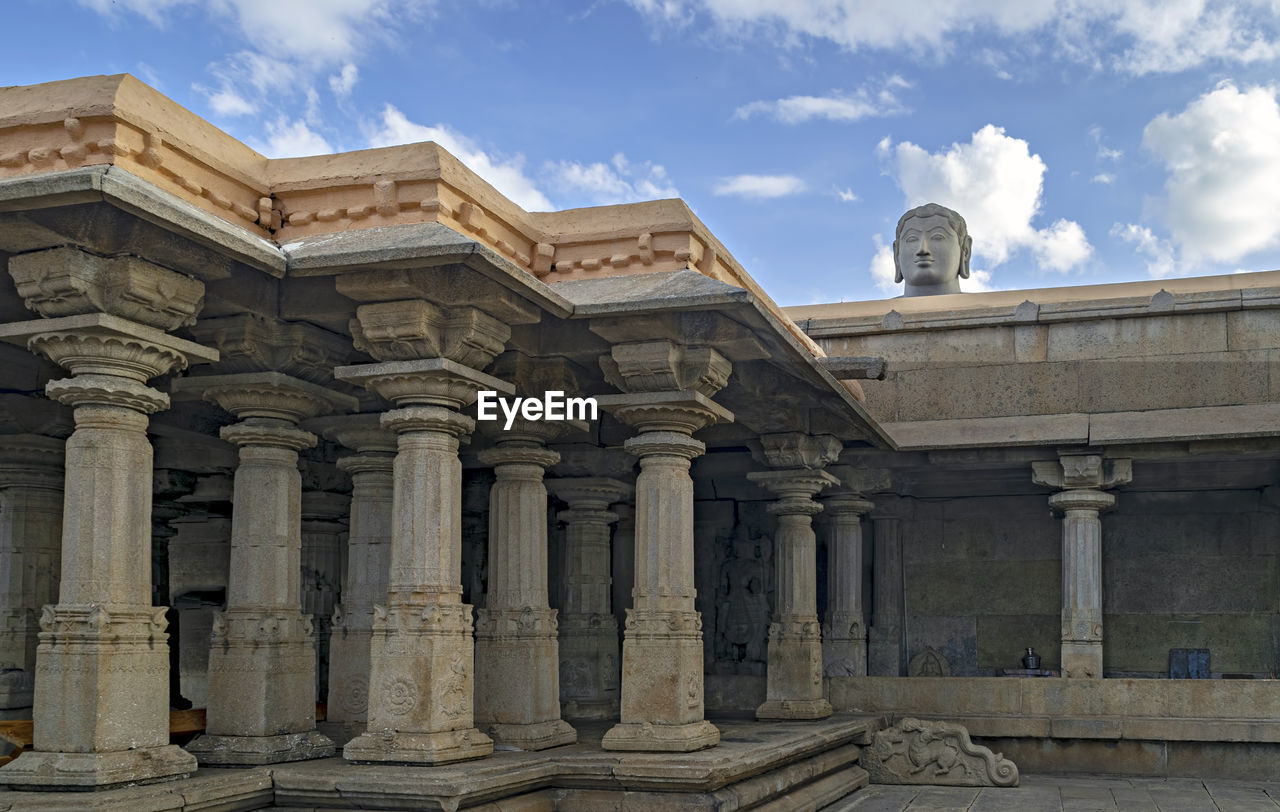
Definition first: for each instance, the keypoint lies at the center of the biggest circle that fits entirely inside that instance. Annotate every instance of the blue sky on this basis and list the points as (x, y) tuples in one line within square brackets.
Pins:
[(1084, 141)]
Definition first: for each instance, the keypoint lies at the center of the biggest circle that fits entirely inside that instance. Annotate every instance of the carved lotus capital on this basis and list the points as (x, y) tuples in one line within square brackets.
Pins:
[(795, 485), (106, 390), (433, 381), (104, 352), (358, 432), (678, 411), (504, 455), (67, 281), (433, 419), (587, 495)]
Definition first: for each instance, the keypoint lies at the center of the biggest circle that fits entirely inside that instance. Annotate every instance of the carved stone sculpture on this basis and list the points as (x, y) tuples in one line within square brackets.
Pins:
[(934, 753), (931, 249)]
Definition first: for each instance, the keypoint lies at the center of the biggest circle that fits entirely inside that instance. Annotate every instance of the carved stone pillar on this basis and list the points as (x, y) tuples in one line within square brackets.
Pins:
[(262, 680), (323, 545), (421, 694), (794, 676), (884, 640), (669, 397), (102, 665), (589, 666), (368, 562), (31, 478), (199, 567), (517, 651), (844, 635), (1082, 476)]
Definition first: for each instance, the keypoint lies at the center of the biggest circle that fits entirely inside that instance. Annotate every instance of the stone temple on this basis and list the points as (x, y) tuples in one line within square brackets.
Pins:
[(242, 468)]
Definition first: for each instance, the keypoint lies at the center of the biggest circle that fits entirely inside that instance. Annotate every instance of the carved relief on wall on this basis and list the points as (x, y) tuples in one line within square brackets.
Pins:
[(937, 753), (743, 601)]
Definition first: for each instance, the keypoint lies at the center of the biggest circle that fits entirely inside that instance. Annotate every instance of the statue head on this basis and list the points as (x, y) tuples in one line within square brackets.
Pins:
[(931, 250)]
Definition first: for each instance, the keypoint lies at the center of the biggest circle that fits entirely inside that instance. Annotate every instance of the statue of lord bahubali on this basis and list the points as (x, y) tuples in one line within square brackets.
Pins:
[(931, 250)]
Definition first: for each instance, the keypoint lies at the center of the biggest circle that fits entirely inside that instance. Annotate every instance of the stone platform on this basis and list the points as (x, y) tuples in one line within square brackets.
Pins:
[(775, 765)]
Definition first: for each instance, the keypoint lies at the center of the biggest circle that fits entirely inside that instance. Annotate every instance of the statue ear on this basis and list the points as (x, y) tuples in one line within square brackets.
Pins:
[(897, 269), (965, 251)]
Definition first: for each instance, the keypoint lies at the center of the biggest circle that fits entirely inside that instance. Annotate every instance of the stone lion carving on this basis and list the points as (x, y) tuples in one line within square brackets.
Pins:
[(937, 753)]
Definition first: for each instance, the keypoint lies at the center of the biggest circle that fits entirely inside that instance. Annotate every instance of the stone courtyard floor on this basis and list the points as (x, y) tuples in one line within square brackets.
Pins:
[(1060, 793)]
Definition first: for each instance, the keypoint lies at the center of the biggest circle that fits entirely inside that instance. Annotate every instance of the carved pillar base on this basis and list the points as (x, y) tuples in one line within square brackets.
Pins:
[(260, 663), (589, 666), (421, 679), (844, 646), (103, 665), (516, 658), (794, 681), (662, 683)]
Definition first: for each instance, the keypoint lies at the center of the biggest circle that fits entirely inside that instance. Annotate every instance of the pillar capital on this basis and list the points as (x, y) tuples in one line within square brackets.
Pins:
[(251, 343), (589, 494), (1082, 471), (431, 419), (362, 433), (505, 455), (423, 381), (846, 505), (411, 329), (665, 366), (793, 487), (1083, 499), (271, 395), (796, 449), (67, 281), (31, 461)]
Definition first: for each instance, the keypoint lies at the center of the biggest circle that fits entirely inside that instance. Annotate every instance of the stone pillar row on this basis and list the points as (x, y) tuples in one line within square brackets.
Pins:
[(410, 676)]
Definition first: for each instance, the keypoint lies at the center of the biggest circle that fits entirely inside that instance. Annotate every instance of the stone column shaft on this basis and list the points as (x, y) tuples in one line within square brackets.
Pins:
[(589, 666), (262, 664), (844, 636), (1081, 476), (368, 563), (101, 702), (31, 498), (669, 398), (517, 654), (793, 688), (1081, 579), (662, 680), (884, 648)]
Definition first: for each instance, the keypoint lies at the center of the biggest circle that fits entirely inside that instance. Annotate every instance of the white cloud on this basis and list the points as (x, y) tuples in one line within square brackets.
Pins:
[(1105, 178), (996, 184), (292, 139), (226, 102), (1105, 153), (619, 181), (343, 82), (882, 270), (153, 11), (1222, 155), (1132, 36), (1160, 255), (865, 102), (759, 186), (846, 195), (1062, 246), (505, 174)]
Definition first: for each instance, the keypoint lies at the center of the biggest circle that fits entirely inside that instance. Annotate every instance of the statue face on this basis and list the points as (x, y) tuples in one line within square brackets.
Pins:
[(928, 251)]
